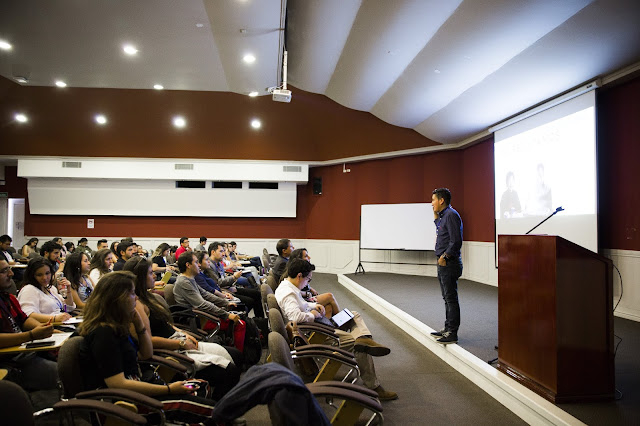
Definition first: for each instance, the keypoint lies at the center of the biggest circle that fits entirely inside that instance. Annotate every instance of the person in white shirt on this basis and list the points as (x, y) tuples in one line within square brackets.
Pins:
[(358, 339), (39, 298)]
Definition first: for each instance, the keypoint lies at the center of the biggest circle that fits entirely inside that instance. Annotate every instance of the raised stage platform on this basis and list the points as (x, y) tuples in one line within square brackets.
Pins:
[(415, 304)]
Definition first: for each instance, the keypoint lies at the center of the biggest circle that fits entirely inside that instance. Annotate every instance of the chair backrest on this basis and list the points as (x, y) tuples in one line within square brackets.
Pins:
[(161, 300), (277, 324), (272, 302), (68, 367), (272, 282), (280, 351), (168, 294), (264, 291), (266, 261), (15, 404)]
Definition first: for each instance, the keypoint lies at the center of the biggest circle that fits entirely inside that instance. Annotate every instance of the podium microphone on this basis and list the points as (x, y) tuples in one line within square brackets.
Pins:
[(559, 209)]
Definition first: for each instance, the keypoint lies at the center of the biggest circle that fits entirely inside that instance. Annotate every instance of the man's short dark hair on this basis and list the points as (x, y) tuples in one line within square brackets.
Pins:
[(82, 240), (183, 259), (282, 245), (183, 239), (299, 266), (49, 247), (443, 193), (5, 239), (123, 246), (203, 239), (199, 255), (232, 243), (104, 240), (214, 246)]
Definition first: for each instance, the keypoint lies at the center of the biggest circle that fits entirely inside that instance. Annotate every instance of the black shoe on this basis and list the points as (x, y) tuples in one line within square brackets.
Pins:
[(438, 333), (448, 337)]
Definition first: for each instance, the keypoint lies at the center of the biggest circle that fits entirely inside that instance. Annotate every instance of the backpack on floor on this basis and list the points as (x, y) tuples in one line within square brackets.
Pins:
[(252, 346)]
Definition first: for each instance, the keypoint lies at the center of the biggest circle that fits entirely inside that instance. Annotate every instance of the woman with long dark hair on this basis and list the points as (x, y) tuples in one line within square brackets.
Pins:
[(29, 247), (218, 365), (115, 334), (76, 270), (101, 263), (39, 297)]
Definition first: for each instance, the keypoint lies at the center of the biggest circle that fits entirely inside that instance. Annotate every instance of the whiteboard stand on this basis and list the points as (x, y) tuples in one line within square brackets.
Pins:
[(360, 268)]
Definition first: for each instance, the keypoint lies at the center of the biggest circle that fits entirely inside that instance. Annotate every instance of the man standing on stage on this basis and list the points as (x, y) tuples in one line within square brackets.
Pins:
[(448, 244)]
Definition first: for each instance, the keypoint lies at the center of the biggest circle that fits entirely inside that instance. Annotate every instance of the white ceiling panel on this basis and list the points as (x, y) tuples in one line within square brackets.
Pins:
[(477, 40), (565, 58), (385, 38), (320, 31)]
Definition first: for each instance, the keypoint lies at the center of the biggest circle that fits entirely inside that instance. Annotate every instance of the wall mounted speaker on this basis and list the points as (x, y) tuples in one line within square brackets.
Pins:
[(317, 186)]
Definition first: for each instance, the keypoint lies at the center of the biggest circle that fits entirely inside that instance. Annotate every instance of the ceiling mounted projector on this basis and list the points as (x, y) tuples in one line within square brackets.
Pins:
[(281, 95)]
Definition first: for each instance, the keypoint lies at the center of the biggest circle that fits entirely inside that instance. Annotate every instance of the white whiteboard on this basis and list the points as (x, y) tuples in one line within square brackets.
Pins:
[(397, 226)]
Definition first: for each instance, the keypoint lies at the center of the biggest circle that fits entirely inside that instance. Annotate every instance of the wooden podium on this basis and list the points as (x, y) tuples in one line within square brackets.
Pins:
[(555, 317)]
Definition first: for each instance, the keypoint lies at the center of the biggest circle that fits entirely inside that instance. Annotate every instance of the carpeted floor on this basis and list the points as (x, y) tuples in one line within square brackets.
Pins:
[(478, 334)]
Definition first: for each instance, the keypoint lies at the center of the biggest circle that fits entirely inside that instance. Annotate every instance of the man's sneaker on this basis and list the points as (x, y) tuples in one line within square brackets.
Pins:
[(385, 395), (448, 337), (370, 346), (438, 333)]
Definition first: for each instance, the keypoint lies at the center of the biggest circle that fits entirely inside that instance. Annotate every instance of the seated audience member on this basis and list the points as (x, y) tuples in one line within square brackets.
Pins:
[(358, 338), (217, 272), (102, 244), (188, 293), (159, 262), (309, 293), (83, 247), (5, 243), (69, 247), (184, 246), (63, 249), (115, 335), (231, 266), (39, 297), (218, 365), (29, 370), (251, 298), (76, 271), (29, 248), (101, 263), (202, 246), (51, 252), (284, 249), (125, 252), (255, 260), (141, 252), (114, 250)]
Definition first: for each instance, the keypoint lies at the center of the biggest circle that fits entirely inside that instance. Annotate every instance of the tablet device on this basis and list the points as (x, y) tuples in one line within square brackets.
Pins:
[(342, 317), (40, 344)]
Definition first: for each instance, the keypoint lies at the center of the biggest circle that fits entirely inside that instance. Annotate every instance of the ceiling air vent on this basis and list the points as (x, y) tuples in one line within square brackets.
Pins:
[(72, 164), (292, 169), (183, 166)]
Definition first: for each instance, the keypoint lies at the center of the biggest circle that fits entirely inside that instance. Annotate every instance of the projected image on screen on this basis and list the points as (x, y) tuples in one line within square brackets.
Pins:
[(545, 162)]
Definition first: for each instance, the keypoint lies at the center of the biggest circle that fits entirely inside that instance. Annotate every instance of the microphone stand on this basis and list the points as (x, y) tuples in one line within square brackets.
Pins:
[(559, 209)]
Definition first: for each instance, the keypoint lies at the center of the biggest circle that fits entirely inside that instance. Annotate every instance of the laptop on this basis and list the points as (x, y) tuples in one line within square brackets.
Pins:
[(338, 320)]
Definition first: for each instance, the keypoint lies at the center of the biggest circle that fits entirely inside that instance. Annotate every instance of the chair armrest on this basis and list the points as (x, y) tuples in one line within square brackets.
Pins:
[(330, 391), (345, 385), (122, 394), (158, 360), (102, 407), (206, 315), (350, 362), (317, 327), (329, 348), (182, 358)]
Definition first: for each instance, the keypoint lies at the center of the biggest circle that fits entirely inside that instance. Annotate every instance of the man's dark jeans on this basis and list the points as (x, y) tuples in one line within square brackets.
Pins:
[(448, 277)]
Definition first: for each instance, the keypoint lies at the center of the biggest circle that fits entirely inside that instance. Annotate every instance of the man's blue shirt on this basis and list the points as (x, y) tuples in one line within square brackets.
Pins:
[(449, 233)]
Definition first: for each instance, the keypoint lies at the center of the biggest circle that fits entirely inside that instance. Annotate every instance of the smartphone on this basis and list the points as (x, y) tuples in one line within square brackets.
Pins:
[(40, 344)]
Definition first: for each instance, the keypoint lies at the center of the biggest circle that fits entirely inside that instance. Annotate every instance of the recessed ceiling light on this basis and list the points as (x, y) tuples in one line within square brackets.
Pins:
[(129, 49), (253, 94), (199, 25), (100, 119), (5, 45), (61, 83), (21, 118), (20, 79), (179, 122), (158, 86), (249, 58), (436, 71), (255, 123)]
